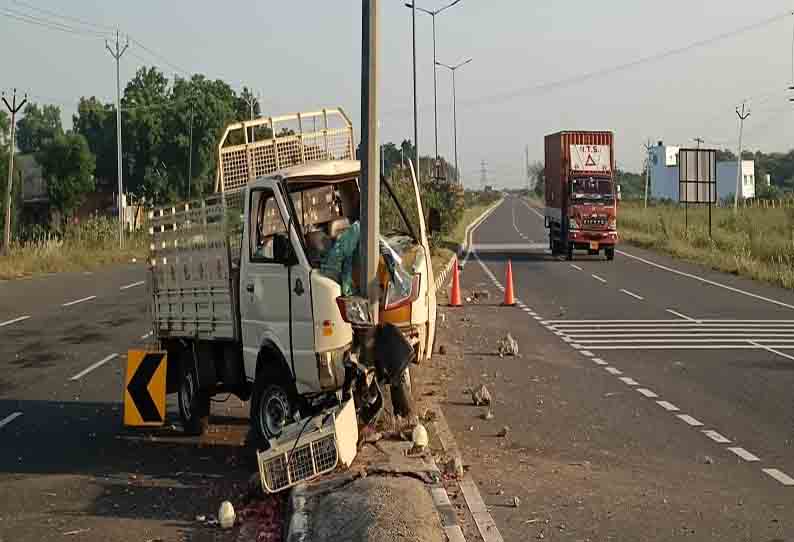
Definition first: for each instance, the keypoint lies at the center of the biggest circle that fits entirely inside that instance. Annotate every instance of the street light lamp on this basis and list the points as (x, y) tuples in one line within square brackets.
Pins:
[(433, 14), (453, 69)]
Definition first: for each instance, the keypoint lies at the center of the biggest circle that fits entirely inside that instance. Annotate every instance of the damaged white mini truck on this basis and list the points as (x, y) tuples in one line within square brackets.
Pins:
[(254, 291)]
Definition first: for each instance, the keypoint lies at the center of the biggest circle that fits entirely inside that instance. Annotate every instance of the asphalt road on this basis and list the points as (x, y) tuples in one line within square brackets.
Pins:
[(652, 400), (68, 468)]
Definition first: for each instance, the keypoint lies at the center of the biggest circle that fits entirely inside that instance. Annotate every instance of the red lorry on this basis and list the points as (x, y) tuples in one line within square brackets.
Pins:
[(581, 196)]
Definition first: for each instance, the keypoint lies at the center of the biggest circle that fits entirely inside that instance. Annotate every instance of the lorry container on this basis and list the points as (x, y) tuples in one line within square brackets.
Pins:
[(581, 196)]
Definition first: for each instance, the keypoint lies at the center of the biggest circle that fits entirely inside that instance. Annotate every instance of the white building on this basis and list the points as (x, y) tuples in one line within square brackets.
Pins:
[(664, 175)]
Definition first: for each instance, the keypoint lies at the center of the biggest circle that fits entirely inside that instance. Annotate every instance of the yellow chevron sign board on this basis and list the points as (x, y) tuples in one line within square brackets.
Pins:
[(144, 388)]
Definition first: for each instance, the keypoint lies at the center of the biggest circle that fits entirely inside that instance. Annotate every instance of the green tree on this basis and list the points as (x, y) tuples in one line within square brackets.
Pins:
[(38, 126), (68, 166), (5, 127), (537, 172), (96, 122)]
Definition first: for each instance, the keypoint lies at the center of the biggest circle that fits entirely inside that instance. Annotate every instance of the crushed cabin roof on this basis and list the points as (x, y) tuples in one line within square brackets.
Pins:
[(321, 171)]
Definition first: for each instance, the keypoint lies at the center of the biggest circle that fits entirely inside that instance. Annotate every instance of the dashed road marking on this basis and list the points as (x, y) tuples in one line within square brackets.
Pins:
[(577, 346), (96, 365), (744, 454), (144, 337), (668, 406), (716, 437), (576, 267), (612, 370), (586, 353), (780, 476), (684, 316), (686, 418), (629, 381), (599, 361), (536, 317), (598, 278), (632, 294), (14, 321), (647, 393), (772, 350), (10, 418), (133, 285), (76, 301)]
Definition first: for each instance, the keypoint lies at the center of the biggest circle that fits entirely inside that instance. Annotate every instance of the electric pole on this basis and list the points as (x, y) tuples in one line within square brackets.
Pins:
[(190, 152), (416, 115), (117, 54), (13, 108), (370, 164), (648, 148), (483, 174), (252, 101), (526, 168), (741, 116), (698, 140)]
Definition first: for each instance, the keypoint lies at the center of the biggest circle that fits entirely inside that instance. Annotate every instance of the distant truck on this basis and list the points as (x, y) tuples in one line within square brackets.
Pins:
[(253, 290), (581, 196)]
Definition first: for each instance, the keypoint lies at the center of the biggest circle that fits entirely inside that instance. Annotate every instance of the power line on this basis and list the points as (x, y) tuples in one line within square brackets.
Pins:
[(160, 57), (107, 29), (50, 24)]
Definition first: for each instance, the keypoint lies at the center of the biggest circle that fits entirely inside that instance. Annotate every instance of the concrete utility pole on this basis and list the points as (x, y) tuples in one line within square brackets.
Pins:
[(698, 140), (453, 69), (648, 147), (483, 174), (416, 113), (741, 116), (252, 101), (117, 54), (370, 164), (190, 153), (13, 108)]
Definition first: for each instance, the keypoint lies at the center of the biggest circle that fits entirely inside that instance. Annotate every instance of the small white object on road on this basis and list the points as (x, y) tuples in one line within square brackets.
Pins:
[(76, 301), (10, 418), (716, 437), (686, 418), (96, 365), (780, 476), (419, 436), (226, 515), (14, 321), (744, 454)]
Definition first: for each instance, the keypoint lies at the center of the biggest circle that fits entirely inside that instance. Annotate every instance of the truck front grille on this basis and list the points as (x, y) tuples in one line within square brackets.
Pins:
[(308, 461)]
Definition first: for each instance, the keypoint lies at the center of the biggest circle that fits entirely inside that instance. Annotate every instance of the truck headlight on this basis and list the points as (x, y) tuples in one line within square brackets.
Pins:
[(354, 310), (612, 223)]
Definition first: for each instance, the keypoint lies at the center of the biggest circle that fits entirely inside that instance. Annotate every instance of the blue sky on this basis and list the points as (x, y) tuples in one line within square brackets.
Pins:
[(306, 54)]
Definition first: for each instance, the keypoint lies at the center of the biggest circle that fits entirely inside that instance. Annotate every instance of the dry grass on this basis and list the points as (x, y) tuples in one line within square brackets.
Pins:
[(441, 255), (757, 243)]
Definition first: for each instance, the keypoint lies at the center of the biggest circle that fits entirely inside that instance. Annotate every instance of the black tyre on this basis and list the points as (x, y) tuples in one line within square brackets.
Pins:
[(610, 253), (569, 252), (272, 407), (194, 404), (402, 399)]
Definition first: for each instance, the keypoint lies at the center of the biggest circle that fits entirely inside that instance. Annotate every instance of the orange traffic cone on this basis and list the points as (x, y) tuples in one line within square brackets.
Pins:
[(509, 299), (454, 294)]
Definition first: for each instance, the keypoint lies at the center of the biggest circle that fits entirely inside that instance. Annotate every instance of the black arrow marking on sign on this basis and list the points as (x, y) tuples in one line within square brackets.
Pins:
[(139, 388)]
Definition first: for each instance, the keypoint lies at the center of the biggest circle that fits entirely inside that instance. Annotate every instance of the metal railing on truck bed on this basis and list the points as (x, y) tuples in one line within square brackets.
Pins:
[(254, 148), (192, 278)]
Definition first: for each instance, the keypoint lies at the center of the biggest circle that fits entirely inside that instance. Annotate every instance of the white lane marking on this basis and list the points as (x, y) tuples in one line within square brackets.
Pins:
[(536, 317), (772, 350), (96, 365), (133, 285), (629, 381), (577, 346), (668, 406), (598, 278), (567, 339), (716, 437), (647, 393), (690, 420), (10, 418), (632, 294), (706, 281), (14, 321), (716, 321), (780, 476), (612, 370), (144, 337), (718, 339), (684, 316), (586, 353), (76, 301), (688, 347), (576, 267), (599, 361), (727, 333), (483, 519), (744, 454)]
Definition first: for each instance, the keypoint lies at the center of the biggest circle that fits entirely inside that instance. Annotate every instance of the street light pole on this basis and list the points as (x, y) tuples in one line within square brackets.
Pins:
[(117, 54), (453, 69), (13, 108), (416, 115)]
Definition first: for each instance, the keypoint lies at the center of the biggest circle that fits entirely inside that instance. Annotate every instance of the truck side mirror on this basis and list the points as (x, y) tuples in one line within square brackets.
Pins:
[(282, 250), (434, 220)]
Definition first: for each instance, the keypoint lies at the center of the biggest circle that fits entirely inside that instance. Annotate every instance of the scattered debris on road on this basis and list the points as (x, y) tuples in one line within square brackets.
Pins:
[(487, 415), (76, 532), (507, 346), (481, 397), (504, 431), (442, 350), (516, 502), (226, 515), (419, 437)]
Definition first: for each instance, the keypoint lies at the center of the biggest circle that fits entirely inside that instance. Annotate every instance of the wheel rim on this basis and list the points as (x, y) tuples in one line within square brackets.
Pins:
[(273, 413), (188, 393)]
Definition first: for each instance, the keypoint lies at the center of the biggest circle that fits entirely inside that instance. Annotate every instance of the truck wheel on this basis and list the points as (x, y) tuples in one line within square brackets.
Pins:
[(272, 408), (610, 253), (569, 252), (194, 404), (402, 400)]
